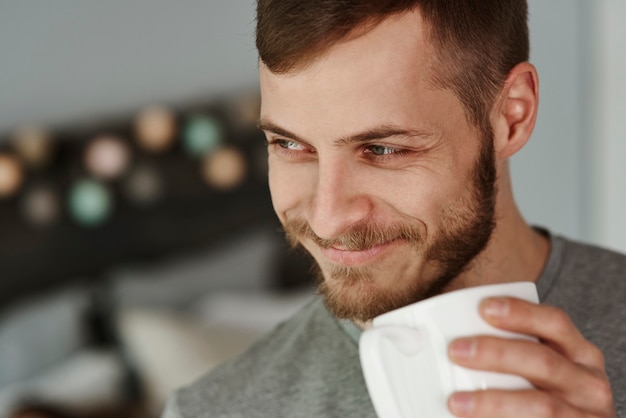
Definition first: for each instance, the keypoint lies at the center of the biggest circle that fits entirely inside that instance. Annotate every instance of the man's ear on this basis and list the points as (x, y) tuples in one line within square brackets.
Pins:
[(515, 112)]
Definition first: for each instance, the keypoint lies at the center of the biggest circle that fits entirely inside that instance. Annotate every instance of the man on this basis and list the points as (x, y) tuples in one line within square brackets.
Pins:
[(389, 126)]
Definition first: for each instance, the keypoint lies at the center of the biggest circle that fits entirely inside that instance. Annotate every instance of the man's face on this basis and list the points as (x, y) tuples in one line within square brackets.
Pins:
[(377, 174)]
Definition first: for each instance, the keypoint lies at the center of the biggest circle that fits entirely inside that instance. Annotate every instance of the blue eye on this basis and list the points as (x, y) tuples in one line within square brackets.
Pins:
[(381, 150), (291, 145)]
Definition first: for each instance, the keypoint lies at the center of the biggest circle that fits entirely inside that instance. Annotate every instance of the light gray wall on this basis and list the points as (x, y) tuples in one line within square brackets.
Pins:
[(606, 99), (547, 172), (571, 176), (68, 59)]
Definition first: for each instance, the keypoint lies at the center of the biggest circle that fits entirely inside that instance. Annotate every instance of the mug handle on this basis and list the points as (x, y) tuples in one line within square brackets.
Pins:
[(392, 356)]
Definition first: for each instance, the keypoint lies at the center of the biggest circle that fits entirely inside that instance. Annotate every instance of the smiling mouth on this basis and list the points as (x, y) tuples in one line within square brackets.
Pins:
[(356, 257)]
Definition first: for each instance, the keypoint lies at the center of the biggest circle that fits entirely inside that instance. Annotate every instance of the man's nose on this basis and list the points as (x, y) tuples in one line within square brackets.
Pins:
[(338, 200)]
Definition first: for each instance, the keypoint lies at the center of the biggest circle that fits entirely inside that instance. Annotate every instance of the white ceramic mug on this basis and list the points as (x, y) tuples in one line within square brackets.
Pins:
[(405, 354)]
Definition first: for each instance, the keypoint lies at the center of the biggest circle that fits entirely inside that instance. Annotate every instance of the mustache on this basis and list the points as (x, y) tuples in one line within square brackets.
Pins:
[(358, 238)]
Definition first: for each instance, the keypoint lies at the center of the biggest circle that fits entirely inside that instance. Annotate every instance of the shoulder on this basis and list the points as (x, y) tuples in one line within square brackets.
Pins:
[(590, 258), (595, 271), (590, 285), (584, 279), (283, 374)]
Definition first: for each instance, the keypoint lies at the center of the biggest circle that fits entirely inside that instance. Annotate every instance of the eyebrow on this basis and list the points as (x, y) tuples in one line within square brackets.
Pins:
[(270, 126), (381, 132)]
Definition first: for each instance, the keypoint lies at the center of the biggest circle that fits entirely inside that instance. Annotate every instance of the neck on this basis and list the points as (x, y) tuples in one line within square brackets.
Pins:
[(515, 252)]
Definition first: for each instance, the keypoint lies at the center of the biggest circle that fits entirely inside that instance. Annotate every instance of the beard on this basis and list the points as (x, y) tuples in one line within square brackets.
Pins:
[(467, 224)]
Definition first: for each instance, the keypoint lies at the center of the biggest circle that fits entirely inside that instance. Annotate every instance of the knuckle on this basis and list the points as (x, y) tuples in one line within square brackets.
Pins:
[(490, 349), (600, 388), (548, 406), (596, 357), (497, 407), (548, 362), (561, 320)]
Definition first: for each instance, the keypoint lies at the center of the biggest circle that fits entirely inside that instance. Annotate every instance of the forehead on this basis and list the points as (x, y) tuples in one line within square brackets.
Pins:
[(398, 40), (380, 76)]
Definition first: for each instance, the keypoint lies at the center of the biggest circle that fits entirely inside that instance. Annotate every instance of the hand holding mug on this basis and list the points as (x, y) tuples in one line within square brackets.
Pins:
[(566, 370), (405, 353)]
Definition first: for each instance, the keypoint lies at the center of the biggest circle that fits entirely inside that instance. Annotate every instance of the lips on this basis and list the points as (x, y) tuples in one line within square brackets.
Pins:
[(354, 258)]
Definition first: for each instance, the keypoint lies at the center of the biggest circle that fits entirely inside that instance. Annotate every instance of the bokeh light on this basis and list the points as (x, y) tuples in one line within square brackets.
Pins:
[(155, 129), (33, 145), (225, 168), (143, 185), (41, 206), (107, 157), (11, 175), (202, 135), (90, 202)]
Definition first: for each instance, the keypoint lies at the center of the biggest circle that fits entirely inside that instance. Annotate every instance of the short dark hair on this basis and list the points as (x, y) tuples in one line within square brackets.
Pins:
[(476, 42)]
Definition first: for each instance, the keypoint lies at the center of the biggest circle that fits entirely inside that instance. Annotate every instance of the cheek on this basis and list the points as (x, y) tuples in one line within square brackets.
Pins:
[(424, 194), (277, 190), (421, 202), (287, 188)]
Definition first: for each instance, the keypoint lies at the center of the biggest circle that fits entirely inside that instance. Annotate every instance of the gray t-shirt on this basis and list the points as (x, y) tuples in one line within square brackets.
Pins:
[(309, 365)]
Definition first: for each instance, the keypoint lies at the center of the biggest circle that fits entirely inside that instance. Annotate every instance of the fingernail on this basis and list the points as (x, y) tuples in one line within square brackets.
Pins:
[(463, 348), (495, 307), (461, 404)]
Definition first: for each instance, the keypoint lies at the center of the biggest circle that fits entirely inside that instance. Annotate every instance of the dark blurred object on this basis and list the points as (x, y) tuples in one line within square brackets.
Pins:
[(59, 223), (63, 349), (111, 220), (46, 410), (41, 411)]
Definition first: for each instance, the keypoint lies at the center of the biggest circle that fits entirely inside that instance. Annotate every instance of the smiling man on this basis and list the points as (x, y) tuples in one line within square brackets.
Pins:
[(377, 172), (389, 127)]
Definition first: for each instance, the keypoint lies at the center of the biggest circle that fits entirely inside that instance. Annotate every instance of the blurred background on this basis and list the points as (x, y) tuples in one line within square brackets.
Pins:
[(138, 248)]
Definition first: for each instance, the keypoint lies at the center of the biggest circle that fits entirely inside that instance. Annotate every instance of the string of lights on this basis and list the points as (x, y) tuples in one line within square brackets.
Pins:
[(78, 200)]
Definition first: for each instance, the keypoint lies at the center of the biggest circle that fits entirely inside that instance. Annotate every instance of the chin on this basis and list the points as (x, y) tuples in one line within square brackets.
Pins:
[(361, 294)]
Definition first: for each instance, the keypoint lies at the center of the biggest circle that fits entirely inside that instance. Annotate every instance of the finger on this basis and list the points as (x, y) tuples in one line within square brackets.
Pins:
[(581, 386), (510, 404), (548, 323)]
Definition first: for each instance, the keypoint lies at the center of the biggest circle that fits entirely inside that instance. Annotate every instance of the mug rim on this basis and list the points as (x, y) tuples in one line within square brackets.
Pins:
[(469, 291)]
